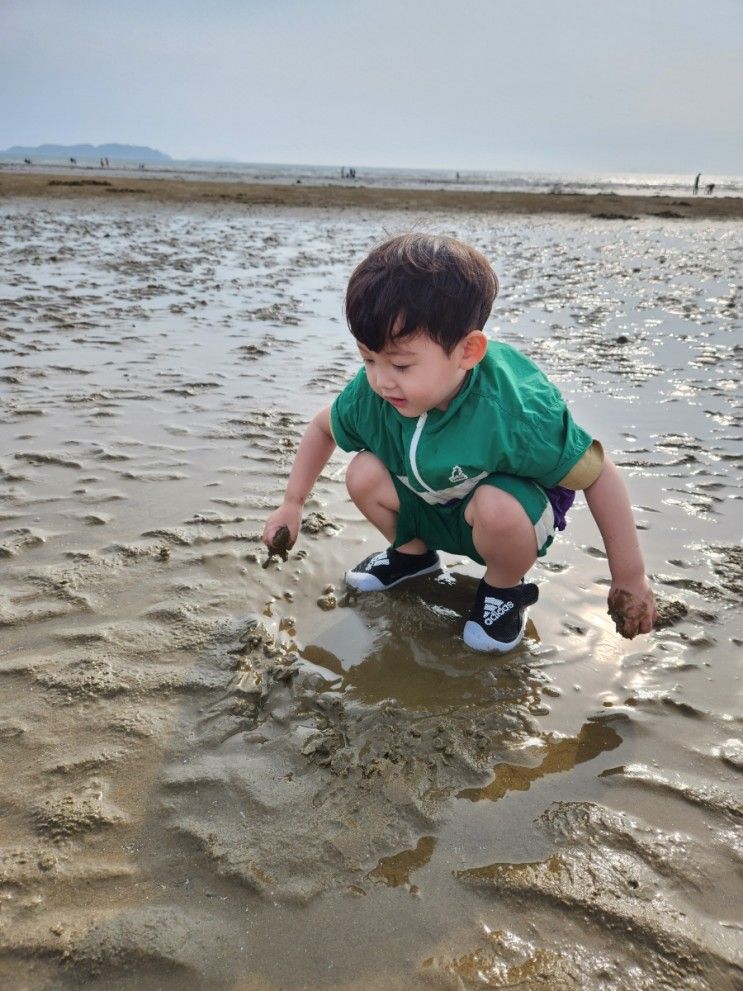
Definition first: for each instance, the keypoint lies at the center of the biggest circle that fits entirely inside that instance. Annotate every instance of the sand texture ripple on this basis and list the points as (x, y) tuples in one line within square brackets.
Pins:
[(220, 775)]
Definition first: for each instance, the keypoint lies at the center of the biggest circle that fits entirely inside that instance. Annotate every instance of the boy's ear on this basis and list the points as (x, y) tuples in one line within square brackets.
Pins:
[(474, 346)]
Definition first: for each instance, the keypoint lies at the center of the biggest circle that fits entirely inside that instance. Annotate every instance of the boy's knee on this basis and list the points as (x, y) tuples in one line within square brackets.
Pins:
[(364, 473), (495, 509)]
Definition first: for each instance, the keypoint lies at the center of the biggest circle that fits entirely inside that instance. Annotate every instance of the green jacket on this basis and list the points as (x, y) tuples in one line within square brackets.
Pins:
[(507, 417)]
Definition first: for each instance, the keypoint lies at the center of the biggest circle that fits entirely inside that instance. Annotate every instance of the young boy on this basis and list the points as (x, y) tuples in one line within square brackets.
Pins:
[(464, 445)]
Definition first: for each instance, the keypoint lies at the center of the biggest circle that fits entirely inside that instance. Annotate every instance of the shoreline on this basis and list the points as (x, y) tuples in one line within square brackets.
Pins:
[(609, 206)]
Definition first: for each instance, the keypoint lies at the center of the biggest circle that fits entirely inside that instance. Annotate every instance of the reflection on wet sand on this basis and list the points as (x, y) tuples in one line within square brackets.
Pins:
[(396, 870), (408, 647), (561, 755)]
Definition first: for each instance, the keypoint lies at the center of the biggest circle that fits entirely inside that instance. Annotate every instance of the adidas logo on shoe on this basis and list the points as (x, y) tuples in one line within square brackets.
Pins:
[(493, 609), (377, 560)]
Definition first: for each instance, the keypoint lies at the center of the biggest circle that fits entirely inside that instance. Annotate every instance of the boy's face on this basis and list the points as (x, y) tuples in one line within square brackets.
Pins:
[(415, 374)]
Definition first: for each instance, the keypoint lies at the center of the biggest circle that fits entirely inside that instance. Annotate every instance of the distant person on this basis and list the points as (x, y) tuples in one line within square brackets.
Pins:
[(343, 171), (457, 177), (27, 161), (464, 445), (696, 183), (103, 165), (710, 188), (106, 161), (73, 161)]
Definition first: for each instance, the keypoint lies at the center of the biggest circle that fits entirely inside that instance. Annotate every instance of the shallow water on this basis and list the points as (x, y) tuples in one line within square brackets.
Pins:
[(211, 781)]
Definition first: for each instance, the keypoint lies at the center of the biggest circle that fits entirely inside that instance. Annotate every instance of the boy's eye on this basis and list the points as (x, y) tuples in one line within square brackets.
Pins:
[(400, 368)]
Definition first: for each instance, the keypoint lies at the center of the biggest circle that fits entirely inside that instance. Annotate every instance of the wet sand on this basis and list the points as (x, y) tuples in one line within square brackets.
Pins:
[(217, 775)]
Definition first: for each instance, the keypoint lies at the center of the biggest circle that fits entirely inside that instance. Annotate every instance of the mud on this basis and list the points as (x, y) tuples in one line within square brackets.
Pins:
[(280, 545), (217, 775)]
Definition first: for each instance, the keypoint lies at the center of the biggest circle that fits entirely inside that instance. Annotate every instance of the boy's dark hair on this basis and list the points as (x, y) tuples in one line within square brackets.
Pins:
[(420, 282)]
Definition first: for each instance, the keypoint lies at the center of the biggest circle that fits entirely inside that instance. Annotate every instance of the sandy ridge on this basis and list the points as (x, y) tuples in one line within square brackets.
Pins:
[(604, 205)]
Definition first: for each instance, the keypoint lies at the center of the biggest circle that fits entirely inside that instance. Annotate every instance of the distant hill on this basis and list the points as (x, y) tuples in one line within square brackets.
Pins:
[(113, 151)]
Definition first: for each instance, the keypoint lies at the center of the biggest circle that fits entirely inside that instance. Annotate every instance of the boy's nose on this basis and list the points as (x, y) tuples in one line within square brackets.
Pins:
[(384, 381)]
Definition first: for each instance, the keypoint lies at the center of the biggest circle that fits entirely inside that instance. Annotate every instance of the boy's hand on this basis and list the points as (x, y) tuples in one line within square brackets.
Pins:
[(632, 607), (288, 515)]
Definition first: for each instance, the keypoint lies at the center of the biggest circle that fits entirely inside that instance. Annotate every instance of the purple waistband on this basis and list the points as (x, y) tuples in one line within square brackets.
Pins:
[(561, 499)]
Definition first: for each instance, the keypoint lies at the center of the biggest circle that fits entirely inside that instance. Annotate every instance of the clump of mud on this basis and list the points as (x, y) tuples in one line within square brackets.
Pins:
[(369, 778), (63, 815)]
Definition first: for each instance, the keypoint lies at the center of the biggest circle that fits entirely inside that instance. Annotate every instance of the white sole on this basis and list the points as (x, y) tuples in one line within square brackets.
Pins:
[(477, 639)]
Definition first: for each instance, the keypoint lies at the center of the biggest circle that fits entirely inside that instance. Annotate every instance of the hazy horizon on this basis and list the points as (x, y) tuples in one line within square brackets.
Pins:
[(633, 87), (390, 166)]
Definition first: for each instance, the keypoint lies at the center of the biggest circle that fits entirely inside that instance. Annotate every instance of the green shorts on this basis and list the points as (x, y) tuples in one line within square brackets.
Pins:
[(444, 528)]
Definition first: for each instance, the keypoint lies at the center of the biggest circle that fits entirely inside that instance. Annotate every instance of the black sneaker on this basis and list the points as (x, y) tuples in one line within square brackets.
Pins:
[(387, 568), (498, 617)]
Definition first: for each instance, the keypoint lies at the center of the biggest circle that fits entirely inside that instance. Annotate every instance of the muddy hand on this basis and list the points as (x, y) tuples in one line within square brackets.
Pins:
[(632, 614), (279, 545)]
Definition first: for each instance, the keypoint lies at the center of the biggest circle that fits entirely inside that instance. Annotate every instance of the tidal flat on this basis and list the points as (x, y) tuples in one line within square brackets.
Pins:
[(219, 775)]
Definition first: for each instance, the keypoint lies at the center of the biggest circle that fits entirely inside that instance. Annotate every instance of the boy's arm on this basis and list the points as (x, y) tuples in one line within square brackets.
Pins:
[(313, 453), (631, 600)]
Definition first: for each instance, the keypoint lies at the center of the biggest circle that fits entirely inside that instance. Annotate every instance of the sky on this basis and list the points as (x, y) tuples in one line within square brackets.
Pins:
[(525, 85)]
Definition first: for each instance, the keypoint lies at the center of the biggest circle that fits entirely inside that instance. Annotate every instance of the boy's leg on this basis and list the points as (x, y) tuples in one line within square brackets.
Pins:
[(505, 537), (372, 490)]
